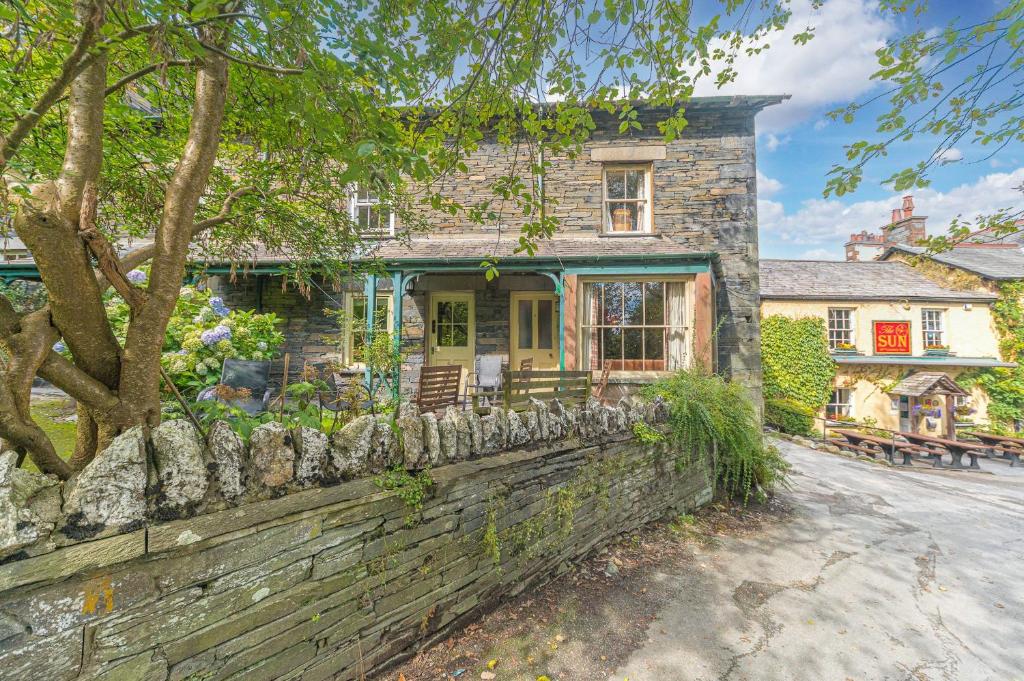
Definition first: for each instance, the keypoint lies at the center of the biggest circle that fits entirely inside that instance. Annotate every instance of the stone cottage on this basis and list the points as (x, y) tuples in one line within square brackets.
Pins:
[(656, 249)]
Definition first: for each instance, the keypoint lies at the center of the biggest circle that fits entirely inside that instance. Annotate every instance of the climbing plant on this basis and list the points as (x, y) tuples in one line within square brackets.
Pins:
[(796, 362), (1004, 387)]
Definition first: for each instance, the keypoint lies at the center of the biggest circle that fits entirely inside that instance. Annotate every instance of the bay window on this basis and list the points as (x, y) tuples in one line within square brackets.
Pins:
[(634, 325)]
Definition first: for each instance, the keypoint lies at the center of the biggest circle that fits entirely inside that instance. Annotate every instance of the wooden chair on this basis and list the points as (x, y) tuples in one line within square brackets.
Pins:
[(602, 384), (526, 364), (439, 387)]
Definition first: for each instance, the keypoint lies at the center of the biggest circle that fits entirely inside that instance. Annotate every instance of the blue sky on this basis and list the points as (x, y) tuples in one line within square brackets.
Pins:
[(797, 144)]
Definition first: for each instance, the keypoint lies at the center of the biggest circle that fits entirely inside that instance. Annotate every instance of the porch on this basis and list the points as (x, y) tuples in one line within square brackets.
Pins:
[(643, 306)]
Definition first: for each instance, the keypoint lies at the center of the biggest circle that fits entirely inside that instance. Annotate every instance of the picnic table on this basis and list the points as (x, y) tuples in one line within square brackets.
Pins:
[(956, 448), (888, 446), (1004, 446)]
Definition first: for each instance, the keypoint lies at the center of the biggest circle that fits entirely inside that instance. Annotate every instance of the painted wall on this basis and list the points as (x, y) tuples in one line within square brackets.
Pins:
[(969, 333)]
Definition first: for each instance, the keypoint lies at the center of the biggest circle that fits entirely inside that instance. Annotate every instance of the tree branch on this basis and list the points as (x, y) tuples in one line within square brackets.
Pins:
[(74, 64), (269, 68), (106, 258)]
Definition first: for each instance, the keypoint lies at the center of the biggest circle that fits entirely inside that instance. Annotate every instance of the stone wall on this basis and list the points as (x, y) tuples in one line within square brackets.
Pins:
[(283, 576)]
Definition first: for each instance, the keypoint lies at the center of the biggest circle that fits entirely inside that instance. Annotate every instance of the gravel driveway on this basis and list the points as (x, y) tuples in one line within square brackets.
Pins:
[(877, 574)]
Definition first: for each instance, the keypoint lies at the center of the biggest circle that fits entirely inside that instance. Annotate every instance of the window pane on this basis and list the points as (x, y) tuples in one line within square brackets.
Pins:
[(444, 312), (460, 336), (625, 217), (612, 344), (654, 344), (545, 324), (525, 324), (616, 184), (612, 310), (633, 346), (460, 312), (654, 302), (633, 304), (635, 184)]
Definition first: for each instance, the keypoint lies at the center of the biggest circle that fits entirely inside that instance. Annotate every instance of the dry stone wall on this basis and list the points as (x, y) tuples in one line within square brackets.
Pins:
[(273, 569)]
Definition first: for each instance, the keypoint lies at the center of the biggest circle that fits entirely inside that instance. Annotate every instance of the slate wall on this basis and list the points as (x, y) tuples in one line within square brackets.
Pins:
[(329, 582)]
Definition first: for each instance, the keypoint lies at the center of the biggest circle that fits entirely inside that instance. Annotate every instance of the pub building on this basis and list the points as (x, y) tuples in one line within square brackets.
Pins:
[(899, 340)]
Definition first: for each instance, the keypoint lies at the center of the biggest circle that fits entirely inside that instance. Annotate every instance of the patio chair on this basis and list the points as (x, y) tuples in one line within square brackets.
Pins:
[(252, 375), (486, 380), (602, 384), (339, 395), (439, 387), (526, 364)]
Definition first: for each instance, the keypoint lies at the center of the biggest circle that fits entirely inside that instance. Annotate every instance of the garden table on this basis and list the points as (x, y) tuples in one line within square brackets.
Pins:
[(956, 449), (1004, 446), (886, 444)]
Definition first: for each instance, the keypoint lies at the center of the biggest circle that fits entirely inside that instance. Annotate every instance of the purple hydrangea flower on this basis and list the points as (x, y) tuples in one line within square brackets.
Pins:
[(215, 335), (136, 276), (218, 306), (59, 347)]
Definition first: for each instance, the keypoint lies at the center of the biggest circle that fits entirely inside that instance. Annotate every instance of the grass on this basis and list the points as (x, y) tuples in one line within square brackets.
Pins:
[(52, 416)]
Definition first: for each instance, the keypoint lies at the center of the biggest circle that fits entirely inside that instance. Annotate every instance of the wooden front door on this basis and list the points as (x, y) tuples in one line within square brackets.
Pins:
[(451, 337), (535, 330)]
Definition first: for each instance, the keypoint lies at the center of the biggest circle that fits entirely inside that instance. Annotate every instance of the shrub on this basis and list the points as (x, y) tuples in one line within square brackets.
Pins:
[(201, 333), (789, 416), (716, 420)]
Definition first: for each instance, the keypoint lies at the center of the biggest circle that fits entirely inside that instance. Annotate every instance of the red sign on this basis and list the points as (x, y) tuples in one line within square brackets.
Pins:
[(892, 338)]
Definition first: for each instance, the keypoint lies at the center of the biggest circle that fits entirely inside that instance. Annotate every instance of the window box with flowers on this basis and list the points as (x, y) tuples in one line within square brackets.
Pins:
[(936, 350), (845, 349)]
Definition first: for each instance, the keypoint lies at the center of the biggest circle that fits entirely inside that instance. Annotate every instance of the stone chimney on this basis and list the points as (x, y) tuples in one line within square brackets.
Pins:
[(905, 228)]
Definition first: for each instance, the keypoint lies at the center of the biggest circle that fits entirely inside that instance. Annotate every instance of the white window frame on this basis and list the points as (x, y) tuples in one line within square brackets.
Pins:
[(933, 325), (647, 201), (372, 202), (684, 326), (836, 407), (350, 324), (833, 332)]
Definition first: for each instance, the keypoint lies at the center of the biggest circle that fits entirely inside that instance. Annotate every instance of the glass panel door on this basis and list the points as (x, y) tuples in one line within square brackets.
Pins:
[(534, 328)]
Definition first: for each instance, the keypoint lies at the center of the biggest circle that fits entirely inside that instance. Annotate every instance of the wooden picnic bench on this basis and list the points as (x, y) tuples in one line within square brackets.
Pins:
[(571, 387), (1004, 446), (889, 447), (957, 450)]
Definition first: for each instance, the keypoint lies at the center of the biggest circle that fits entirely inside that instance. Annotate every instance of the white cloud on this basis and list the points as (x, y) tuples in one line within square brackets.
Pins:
[(832, 69), (767, 186), (773, 141), (821, 254), (951, 155), (829, 222)]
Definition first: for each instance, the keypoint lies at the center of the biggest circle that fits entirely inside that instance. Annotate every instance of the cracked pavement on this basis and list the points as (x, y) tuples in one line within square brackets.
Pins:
[(878, 573)]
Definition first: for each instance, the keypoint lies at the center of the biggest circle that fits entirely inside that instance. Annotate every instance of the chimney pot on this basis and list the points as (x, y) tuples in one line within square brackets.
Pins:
[(908, 206), (897, 215)]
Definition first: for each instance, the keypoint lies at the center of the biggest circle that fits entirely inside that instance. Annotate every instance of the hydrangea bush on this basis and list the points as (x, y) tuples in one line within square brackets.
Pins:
[(202, 333)]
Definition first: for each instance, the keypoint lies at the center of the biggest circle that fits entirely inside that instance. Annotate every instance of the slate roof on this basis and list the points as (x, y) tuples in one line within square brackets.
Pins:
[(442, 249), (841, 280), (996, 261), (927, 383)]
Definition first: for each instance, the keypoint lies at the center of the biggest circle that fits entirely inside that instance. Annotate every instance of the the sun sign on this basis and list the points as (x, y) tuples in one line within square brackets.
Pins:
[(892, 338)]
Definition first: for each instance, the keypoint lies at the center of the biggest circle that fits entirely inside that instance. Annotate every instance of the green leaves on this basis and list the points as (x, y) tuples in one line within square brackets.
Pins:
[(796, 361)]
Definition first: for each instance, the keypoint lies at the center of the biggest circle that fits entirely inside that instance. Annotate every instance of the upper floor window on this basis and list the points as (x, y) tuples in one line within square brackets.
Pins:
[(933, 329), (627, 199), (840, 329), (372, 218)]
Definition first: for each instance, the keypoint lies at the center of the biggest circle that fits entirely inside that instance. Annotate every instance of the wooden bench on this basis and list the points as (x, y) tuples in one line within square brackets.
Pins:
[(845, 444), (439, 387), (1008, 452), (571, 387)]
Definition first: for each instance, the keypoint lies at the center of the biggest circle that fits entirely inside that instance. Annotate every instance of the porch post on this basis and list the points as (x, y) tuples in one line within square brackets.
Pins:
[(561, 321), (397, 291), (370, 291)]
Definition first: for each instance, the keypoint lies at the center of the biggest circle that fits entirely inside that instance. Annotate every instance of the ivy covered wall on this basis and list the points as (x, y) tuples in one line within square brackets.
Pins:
[(796, 360)]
